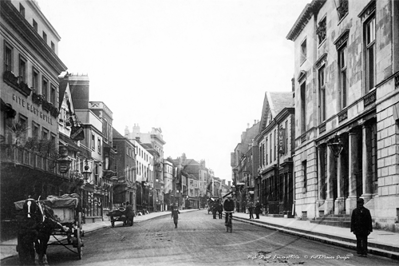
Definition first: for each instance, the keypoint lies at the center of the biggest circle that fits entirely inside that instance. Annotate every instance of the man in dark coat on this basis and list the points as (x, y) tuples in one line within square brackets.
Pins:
[(220, 210), (251, 210), (129, 212), (257, 209), (361, 226), (175, 214), (228, 206), (214, 208)]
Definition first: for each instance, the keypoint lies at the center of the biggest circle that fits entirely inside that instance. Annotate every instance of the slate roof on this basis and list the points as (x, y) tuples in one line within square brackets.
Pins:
[(116, 134), (273, 104)]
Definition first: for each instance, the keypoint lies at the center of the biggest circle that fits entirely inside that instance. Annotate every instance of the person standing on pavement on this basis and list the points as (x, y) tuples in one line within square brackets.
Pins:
[(251, 210), (361, 226), (257, 209), (175, 214)]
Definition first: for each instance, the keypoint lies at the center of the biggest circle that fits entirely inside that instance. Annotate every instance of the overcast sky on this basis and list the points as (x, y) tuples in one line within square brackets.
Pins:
[(198, 69)]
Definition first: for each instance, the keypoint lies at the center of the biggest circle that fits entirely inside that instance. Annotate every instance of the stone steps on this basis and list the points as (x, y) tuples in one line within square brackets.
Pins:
[(339, 220)]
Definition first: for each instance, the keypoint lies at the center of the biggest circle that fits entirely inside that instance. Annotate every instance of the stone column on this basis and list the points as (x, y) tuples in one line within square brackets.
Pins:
[(320, 199), (353, 165), (329, 203), (367, 157), (340, 201)]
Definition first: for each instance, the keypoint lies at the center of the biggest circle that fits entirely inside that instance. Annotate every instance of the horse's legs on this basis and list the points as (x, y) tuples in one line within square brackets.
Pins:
[(26, 248)]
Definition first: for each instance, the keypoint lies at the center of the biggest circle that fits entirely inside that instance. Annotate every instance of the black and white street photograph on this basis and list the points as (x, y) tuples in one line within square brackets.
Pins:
[(199, 132)]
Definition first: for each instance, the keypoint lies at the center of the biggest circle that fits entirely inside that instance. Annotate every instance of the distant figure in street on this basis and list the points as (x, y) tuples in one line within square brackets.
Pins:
[(361, 226), (220, 210), (129, 212), (258, 208), (175, 214), (251, 210), (228, 206), (215, 208)]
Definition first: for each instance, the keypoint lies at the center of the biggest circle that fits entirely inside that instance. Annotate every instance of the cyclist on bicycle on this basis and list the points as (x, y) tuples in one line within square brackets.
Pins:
[(228, 206)]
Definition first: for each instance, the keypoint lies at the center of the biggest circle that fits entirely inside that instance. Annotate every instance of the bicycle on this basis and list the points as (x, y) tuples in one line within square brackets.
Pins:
[(229, 223)]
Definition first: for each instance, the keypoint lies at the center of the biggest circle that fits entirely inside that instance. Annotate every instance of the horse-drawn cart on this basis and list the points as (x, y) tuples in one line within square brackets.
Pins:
[(68, 212), (119, 215), (39, 220)]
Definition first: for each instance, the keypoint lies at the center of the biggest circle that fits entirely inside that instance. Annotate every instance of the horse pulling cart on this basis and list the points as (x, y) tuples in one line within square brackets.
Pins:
[(38, 220)]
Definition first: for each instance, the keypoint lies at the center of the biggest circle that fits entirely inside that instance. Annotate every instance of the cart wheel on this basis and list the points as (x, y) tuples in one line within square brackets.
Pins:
[(79, 236)]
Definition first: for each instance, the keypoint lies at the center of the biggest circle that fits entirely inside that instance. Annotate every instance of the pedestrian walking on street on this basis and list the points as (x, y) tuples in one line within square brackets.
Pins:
[(215, 205), (228, 206), (251, 210), (129, 214), (361, 226), (220, 210), (175, 214), (257, 209)]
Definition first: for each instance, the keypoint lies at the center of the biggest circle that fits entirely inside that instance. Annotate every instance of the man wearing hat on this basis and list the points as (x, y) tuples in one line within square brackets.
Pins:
[(361, 226), (228, 205)]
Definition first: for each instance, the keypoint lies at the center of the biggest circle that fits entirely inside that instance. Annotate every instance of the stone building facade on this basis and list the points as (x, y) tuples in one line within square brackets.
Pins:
[(346, 105), (29, 90)]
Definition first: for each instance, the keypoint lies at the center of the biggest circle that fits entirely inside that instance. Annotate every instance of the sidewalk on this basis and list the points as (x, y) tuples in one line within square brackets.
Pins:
[(8, 248), (380, 242)]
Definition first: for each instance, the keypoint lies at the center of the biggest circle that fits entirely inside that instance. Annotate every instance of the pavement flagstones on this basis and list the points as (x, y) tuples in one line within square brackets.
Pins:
[(383, 243)]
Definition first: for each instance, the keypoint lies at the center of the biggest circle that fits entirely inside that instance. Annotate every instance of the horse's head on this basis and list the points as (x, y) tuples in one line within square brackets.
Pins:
[(32, 210)]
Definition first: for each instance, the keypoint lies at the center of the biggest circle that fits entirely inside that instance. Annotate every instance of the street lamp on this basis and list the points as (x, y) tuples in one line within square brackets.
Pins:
[(336, 146), (86, 172)]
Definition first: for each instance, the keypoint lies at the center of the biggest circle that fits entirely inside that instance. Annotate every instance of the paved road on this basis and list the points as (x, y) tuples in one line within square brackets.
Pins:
[(202, 240)]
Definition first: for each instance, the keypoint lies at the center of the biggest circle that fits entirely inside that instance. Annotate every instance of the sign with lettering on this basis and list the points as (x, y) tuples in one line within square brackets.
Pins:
[(281, 140), (29, 106), (77, 133)]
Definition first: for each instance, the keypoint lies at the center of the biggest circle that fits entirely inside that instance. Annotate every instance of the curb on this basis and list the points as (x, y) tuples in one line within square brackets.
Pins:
[(373, 248)]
